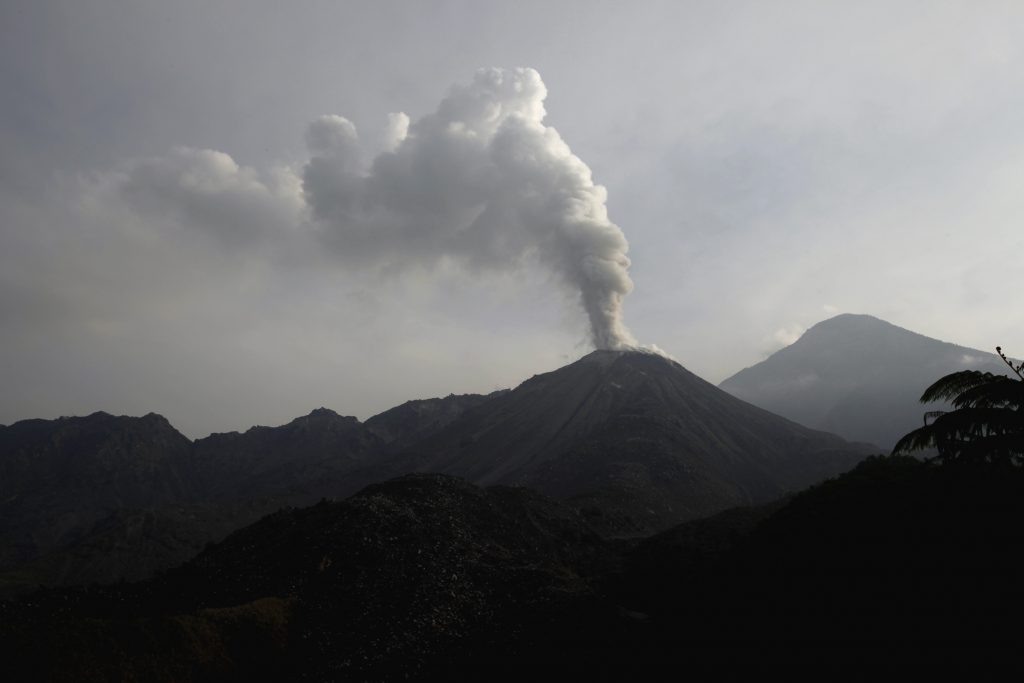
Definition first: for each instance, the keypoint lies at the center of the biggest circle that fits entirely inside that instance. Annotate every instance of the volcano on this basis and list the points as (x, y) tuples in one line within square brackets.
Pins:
[(632, 439)]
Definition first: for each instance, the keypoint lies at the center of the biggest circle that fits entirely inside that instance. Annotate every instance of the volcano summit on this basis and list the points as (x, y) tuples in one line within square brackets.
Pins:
[(633, 439)]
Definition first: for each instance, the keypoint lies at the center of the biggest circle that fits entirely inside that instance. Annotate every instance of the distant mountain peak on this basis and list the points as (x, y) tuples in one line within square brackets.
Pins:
[(851, 317), (323, 412), (320, 417), (855, 375), (859, 323)]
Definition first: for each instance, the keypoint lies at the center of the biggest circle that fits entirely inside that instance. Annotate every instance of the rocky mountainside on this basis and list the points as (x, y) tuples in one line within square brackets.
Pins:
[(634, 439), (856, 376), (59, 478), (404, 425), (101, 498), (299, 462)]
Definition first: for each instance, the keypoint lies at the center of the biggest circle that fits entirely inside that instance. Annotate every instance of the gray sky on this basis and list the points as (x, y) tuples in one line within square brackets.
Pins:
[(770, 164)]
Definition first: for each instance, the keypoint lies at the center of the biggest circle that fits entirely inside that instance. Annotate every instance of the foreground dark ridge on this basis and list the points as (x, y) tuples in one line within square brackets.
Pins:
[(896, 570), (423, 573)]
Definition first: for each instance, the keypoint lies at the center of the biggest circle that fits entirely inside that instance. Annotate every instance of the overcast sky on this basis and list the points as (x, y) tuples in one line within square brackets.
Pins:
[(188, 225)]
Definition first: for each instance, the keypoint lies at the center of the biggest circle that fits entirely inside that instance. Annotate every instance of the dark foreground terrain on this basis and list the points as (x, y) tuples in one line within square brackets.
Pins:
[(896, 570)]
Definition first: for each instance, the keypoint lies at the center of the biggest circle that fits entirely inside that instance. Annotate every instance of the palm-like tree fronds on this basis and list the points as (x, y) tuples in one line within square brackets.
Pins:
[(1000, 392), (949, 387), (986, 424), (918, 440)]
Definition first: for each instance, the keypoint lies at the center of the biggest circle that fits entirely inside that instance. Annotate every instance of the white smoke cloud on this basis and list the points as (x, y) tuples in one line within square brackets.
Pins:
[(207, 191), (481, 182)]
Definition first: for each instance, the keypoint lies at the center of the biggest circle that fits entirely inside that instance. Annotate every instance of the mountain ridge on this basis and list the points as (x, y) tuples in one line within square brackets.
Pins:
[(100, 497), (630, 438)]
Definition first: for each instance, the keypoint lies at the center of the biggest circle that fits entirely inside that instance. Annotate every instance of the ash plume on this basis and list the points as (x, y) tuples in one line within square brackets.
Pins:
[(481, 182)]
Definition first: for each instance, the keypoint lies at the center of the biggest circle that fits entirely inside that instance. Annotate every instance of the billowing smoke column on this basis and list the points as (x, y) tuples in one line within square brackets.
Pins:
[(482, 182)]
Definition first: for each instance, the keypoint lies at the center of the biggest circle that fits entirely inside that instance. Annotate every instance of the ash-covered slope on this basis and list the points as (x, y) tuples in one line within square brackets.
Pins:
[(635, 440), (856, 376), (406, 424)]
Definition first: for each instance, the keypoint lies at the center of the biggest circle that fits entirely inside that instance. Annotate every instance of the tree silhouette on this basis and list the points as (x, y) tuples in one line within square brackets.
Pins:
[(986, 424)]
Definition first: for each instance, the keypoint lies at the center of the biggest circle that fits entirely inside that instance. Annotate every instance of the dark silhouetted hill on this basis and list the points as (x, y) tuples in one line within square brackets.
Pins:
[(102, 498), (899, 570), (58, 478), (856, 376), (301, 461)]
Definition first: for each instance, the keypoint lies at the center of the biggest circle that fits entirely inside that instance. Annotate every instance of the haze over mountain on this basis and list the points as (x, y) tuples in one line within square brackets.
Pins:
[(856, 376)]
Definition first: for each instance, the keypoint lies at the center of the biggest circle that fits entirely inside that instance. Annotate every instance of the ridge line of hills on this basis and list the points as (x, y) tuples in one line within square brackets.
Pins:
[(632, 438)]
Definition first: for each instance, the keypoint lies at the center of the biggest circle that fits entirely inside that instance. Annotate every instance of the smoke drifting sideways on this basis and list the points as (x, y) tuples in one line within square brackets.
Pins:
[(481, 182)]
